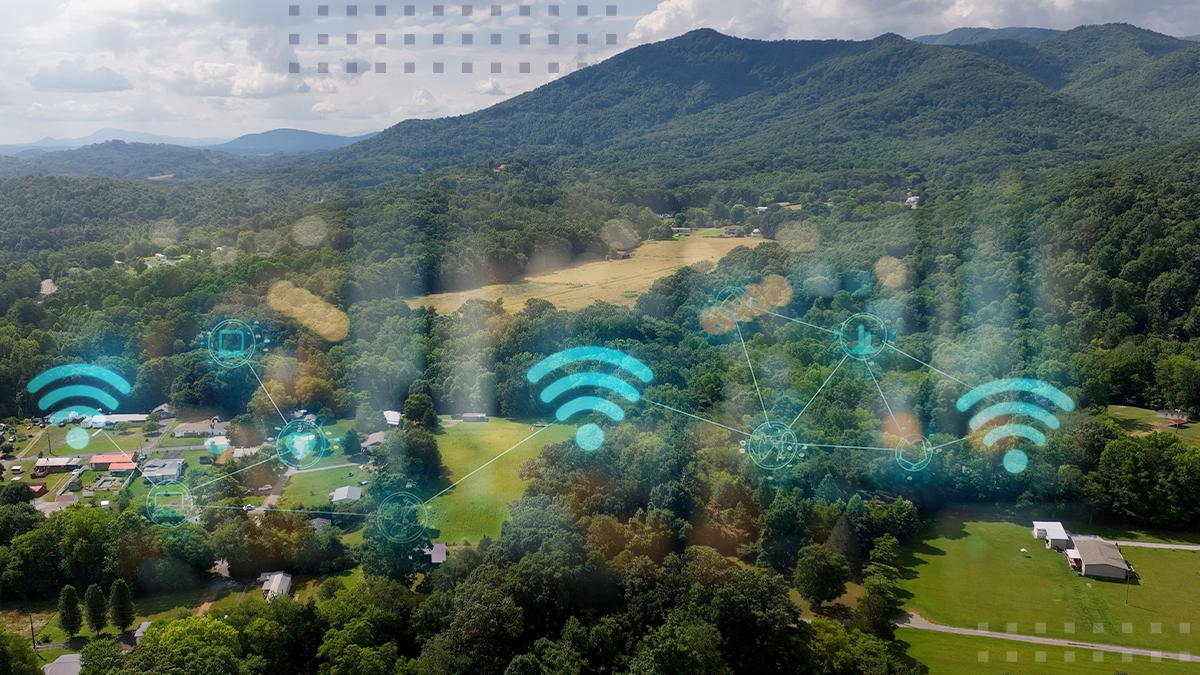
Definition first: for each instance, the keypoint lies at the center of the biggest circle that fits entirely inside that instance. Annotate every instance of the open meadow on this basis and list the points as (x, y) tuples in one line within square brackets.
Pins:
[(970, 570)]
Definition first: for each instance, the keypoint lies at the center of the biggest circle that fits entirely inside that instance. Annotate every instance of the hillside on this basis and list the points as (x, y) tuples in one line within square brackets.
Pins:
[(970, 36), (286, 140), (118, 159), (706, 106)]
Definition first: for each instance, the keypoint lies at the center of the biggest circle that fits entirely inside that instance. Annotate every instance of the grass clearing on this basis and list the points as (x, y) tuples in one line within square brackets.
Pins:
[(946, 654), (581, 284), (1141, 421), (479, 506), (971, 570), (312, 488)]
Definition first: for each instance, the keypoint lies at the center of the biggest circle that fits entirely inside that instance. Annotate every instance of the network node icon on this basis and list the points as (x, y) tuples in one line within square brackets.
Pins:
[(772, 445), (863, 336), (914, 453), (231, 343), (301, 444), (402, 517), (170, 505)]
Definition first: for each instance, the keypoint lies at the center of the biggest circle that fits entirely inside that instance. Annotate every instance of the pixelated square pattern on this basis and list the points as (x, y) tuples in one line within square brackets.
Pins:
[(410, 38), (322, 39), (294, 39), (553, 67), (467, 68), (380, 10), (410, 10), (351, 10), (524, 38), (351, 38), (439, 10), (495, 67), (468, 10), (581, 10), (410, 67), (467, 39), (439, 67), (610, 39), (553, 37), (495, 10), (352, 67), (293, 10), (610, 10), (322, 10), (581, 39), (381, 67), (553, 10), (439, 39), (524, 10), (1068, 657), (381, 38), (495, 38), (524, 67), (294, 68), (322, 67)]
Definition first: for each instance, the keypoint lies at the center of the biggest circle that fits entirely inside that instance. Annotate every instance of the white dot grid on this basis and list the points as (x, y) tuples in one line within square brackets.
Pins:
[(1011, 628), (1098, 657), (467, 39), (1040, 657), (1127, 657), (983, 657), (1069, 657), (1011, 657), (352, 67)]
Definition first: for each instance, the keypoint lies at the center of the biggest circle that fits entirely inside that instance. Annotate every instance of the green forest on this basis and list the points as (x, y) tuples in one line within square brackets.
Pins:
[(1056, 236)]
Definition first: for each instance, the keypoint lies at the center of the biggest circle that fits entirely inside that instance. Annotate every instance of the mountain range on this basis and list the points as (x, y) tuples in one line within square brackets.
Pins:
[(265, 143)]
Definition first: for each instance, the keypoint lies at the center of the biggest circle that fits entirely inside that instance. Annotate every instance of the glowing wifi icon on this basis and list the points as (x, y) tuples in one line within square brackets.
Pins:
[(77, 438), (1015, 461), (590, 436)]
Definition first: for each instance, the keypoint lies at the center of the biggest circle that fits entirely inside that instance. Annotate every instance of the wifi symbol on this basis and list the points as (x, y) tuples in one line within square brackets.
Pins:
[(1015, 461), (589, 436), (77, 438)]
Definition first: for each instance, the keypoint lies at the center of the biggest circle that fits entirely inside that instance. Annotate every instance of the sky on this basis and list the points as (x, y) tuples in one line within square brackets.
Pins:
[(221, 68)]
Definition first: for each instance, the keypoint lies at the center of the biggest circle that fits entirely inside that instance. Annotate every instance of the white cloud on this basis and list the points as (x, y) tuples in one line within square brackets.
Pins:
[(424, 96), (490, 86), (230, 79), (75, 77)]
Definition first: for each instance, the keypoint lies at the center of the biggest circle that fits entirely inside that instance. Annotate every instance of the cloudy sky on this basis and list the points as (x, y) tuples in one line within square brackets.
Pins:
[(221, 68)]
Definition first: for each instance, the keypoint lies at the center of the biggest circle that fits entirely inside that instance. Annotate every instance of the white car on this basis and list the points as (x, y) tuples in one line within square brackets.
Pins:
[(248, 507), (265, 488)]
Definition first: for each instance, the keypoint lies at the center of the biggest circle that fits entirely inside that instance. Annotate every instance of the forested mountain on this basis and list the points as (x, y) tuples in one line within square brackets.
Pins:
[(970, 36), (107, 134), (286, 140), (118, 159)]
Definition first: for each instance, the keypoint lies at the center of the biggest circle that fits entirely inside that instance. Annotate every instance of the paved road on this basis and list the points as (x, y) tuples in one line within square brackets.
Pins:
[(919, 622), (1146, 544)]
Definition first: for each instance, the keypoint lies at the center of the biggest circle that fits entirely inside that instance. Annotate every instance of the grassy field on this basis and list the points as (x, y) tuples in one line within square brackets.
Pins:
[(581, 284), (1143, 421), (14, 617), (479, 505), (313, 488), (947, 654), (972, 571)]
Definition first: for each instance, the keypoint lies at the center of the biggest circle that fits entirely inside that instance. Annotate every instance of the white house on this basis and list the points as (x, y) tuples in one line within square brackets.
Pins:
[(1053, 533), (392, 417), (140, 632), (348, 493), (159, 471), (67, 664), (437, 554), (275, 583)]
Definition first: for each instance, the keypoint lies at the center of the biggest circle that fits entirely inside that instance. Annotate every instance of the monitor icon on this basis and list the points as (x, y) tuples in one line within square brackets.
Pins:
[(231, 344)]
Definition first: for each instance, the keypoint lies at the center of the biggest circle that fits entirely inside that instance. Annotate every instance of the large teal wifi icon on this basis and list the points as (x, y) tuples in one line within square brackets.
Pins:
[(590, 436), (1015, 461), (77, 438)]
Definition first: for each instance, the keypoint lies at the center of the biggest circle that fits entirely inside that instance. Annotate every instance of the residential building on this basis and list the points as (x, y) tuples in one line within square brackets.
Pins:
[(58, 464), (730, 231), (1053, 533), (213, 427), (67, 664), (140, 632), (437, 554), (348, 493), (159, 471), (392, 417), (1099, 559), (373, 440), (622, 255), (105, 462), (166, 410), (276, 583), (474, 417)]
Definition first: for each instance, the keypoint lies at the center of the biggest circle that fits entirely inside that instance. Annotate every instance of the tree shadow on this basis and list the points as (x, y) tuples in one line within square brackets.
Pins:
[(900, 652), (836, 611)]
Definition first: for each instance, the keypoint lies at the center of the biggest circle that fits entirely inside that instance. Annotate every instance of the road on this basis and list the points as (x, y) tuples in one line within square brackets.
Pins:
[(1146, 544), (918, 622)]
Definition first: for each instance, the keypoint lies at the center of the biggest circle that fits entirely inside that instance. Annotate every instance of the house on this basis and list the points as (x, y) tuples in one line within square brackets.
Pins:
[(105, 462), (242, 453), (373, 440), (437, 554), (913, 201), (166, 410), (474, 417), (213, 427), (348, 493), (622, 255), (1053, 533), (160, 471), (140, 632), (1099, 559), (762, 209), (58, 464), (67, 664), (392, 417), (39, 489), (75, 484), (731, 231), (756, 232), (664, 216), (111, 421), (122, 469), (275, 583), (681, 230), (319, 524)]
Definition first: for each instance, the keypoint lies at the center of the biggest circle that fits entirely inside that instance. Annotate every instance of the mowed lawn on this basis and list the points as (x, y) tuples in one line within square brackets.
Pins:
[(1143, 421), (312, 488), (479, 505), (972, 571), (946, 654)]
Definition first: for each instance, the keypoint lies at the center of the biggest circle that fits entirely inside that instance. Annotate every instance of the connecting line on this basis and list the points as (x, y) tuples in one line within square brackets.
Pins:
[(847, 447), (893, 346), (950, 443), (751, 366), (737, 431), (810, 325), (814, 396), (485, 465), (126, 455), (325, 513), (264, 388), (217, 480), (885, 401)]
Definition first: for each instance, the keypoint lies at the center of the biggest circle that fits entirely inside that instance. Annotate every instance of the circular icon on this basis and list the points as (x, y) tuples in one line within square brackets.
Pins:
[(1015, 461), (402, 517), (863, 336), (913, 453), (589, 437), (301, 444), (772, 445), (170, 504), (231, 343), (77, 438)]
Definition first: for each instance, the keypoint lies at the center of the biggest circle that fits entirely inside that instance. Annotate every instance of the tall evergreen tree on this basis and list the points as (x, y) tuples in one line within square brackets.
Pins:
[(120, 605), (95, 608), (70, 619)]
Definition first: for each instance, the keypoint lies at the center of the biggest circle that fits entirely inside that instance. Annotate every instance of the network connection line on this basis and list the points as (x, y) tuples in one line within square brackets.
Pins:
[(960, 440), (814, 396), (847, 447), (123, 453), (259, 508), (486, 464), (737, 431), (885, 401), (810, 325), (752, 375), (269, 397), (901, 351)]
